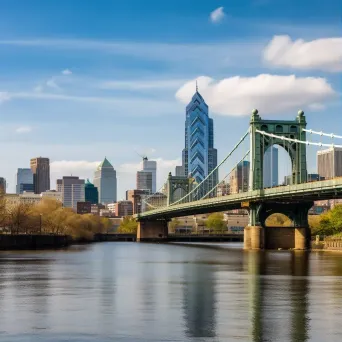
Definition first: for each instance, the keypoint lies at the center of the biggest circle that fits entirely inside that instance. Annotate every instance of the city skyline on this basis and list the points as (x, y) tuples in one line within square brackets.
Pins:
[(58, 72)]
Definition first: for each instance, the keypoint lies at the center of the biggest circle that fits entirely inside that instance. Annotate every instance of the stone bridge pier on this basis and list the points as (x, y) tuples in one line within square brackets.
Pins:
[(152, 230), (258, 236)]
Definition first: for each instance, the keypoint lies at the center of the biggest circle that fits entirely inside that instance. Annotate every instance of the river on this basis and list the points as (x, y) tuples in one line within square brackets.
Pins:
[(154, 292)]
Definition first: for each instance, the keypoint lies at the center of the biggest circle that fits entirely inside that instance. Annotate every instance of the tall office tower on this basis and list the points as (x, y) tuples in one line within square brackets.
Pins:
[(151, 166), (72, 189), (271, 167), (179, 171), (41, 174), (145, 181), (2, 186), (24, 181), (106, 183), (329, 162), (91, 193), (199, 157), (239, 178)]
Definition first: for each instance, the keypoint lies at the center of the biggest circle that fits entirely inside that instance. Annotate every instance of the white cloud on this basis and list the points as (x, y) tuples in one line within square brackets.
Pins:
[(4, 96), (23, 129), (51, 83), (69, 166), (142, 84), (321, 54), (270, 94), (217, 15), (67, 72)]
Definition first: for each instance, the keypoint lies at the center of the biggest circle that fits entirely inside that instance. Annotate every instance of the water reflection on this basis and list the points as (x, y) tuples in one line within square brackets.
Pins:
[(199, 300), (275, 280)]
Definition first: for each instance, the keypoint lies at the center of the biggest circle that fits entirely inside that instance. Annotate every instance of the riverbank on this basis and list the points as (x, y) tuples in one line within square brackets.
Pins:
[(31, 242)]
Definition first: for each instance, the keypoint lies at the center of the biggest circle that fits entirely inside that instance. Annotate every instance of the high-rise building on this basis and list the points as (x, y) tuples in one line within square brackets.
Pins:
[(72, 189), (41, 174), (135, 196), (199, 156), (106, 183), (24, 180), (2, 186), (271, 167), (123, 208), (151, 166), (329, 162), (179, 171), (144, 181), (91, 193), (239, 178)]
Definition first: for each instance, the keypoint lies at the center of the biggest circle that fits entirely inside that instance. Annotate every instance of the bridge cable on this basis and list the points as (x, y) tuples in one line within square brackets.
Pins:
[(216, 168), (330, 135)]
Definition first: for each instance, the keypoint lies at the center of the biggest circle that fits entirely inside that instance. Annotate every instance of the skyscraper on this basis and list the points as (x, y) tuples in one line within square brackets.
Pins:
[(2, 186), (271, 167), (144, 181), (91, 193), (239, 178), (105, 181), (41, 174), (72, 189), (329, 162), (199, 156), (24, 181), (151, 166)]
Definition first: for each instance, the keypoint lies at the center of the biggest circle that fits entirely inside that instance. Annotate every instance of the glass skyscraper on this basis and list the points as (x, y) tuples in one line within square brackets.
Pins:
[(271, 167), (199, 156)]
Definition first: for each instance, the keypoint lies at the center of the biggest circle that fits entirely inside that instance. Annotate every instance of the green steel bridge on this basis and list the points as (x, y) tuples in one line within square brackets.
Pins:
[(182, 196)]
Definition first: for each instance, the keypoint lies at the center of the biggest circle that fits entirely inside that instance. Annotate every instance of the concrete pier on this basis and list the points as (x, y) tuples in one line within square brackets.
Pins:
[(149, 231)]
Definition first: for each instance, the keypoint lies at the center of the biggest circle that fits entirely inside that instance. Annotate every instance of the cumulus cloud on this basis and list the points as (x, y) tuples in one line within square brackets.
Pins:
[(69, 166), (321, 54), (23, 129), (217, 15), (67, 72), (270, 94)]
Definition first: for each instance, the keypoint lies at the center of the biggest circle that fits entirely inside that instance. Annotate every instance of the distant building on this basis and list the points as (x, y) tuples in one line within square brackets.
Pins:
[(40, 168), (52, 194), (151, 166), (2, 185), (156, 200), (223, 189), (24, 180), (314, 177), (199, 157), (111, 207), (288, 180), (270, 175), (106, 183), (72, 189), (124, 208), (83, 207), (239, 178), (179, 171), (329, 162), (91, 193), (144, 181), (95, 208), (135, 196)]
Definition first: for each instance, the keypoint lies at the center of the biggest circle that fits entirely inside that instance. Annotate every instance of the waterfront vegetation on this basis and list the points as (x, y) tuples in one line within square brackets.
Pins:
[(129, 225), (49, 217)]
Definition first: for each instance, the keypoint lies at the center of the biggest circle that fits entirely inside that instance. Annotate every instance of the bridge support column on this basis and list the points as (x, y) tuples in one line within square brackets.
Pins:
[(152, 231), (302, 238)]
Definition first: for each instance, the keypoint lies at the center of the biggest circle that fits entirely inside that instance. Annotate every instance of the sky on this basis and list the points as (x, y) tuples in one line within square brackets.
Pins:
[(83, 80)]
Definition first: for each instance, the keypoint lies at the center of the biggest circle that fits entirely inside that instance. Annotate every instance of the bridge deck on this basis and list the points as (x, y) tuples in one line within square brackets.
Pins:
[(319, 190)]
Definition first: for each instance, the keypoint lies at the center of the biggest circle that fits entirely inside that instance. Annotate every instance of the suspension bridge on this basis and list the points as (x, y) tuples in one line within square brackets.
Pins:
[(182, 196)]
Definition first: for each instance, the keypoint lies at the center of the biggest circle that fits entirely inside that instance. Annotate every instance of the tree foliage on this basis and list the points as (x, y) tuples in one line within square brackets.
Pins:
[(278, 220), (329, 223), (49, 217), (216, 222), (128, 225)]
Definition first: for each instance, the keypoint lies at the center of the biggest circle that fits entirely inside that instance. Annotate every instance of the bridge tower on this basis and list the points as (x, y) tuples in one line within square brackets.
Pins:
[(180, 185), (256, 234)]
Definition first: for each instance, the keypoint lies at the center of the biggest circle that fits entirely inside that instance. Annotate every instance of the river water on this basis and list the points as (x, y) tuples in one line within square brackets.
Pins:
[(153, 292)]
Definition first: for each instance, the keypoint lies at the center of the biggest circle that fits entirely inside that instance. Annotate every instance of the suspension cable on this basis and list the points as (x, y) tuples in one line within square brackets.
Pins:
[(330, 135), (216, 168)]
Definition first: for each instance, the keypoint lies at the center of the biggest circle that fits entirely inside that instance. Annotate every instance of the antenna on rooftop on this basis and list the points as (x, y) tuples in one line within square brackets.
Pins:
[(143, 156)]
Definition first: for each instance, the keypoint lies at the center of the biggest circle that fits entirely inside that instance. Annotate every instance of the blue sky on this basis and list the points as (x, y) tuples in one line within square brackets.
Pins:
[(80, 80)]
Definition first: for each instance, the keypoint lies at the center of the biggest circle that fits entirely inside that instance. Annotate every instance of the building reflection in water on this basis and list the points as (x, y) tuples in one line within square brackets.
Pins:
[(275, 284), (199, 303)]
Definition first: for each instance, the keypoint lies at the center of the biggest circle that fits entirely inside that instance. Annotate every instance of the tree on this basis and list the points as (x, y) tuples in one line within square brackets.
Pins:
[(278, 220), (128, 225), (216, 222)]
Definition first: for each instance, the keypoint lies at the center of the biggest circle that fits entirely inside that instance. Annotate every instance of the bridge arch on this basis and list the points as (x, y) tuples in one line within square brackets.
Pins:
[(259, 143)]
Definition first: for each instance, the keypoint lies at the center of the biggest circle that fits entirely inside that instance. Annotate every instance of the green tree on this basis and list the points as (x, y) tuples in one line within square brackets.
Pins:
[(216, 222), (128, 225)]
